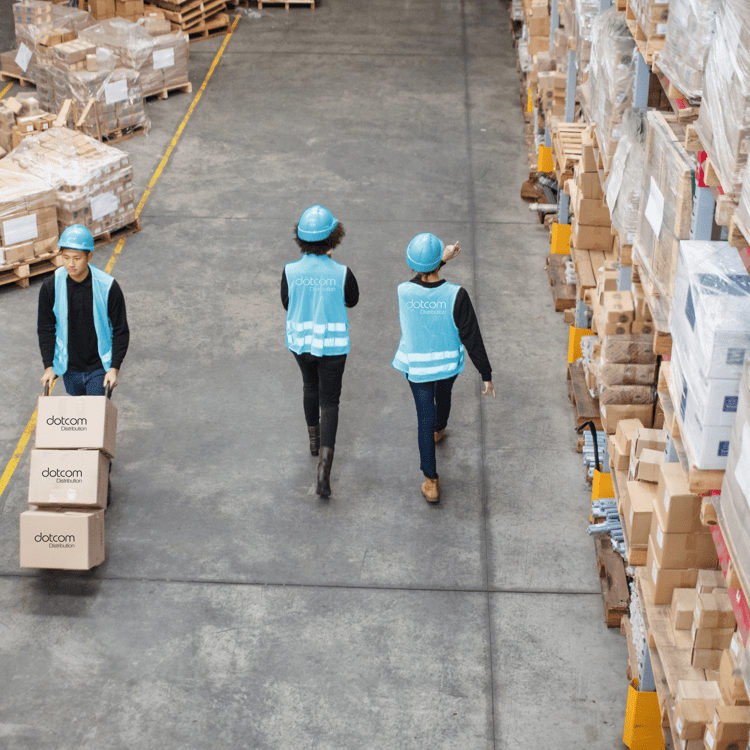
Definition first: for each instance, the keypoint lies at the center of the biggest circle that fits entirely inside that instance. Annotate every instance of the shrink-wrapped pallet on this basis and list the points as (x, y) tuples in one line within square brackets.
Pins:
[(161, 61), (666, 210), (94, 181), (28, 218), (623, 186), (586, 12), (608, 92), (110, 96), (743, 208), (723, 124), (690, 31), (710, 328)]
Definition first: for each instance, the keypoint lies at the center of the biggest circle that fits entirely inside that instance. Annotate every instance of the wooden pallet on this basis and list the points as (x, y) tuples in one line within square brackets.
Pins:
[(13, 78), (123, 134), (567, 148), (217, 26), (648, 41), (182, 88), (685, 110), (585, 408), (563, 293), (196, 13), (739, 235), (286, 3), (626, 630), (21, 272), (615, 591), (117, 234)]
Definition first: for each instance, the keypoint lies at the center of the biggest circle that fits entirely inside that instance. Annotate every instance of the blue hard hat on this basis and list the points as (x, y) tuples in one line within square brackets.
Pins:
[(316, 223), (77, 237), (424, 252)]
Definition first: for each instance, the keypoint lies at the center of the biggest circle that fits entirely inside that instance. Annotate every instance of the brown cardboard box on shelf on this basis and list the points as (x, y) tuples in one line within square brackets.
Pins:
[(716, 639), (62, 539), (683, 607), (620, 458), (650, 438), (705, 658), (641, 507), (646, 467), (730, 680), (60, 478), (613, 414), (627, 431), (709, 581), (681, 551), (681, 509), (731, 724), (714, 610), (590, 237), (76, 422), (692, 715), (663, 581)]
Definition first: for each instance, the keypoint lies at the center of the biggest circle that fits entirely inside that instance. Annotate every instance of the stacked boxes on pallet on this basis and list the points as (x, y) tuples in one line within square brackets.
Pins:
[(75, 441), (161, 61), (28, 218), (724, 120), (94, 181), (710, 338)]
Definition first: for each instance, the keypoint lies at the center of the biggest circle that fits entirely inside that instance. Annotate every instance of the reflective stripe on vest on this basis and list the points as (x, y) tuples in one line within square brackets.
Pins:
[(316, 320), (430, 347), (101, 283)]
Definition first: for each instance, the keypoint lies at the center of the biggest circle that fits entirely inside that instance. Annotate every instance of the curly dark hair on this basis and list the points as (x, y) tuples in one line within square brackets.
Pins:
[(321, 248)]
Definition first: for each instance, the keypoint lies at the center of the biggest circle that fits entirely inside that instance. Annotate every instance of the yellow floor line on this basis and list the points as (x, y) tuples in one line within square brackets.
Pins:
[(29, 429), (6, 90)]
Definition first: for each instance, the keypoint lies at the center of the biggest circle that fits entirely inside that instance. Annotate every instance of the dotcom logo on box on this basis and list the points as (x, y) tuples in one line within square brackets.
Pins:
[(56, 540), (68, 424), (70, 476)]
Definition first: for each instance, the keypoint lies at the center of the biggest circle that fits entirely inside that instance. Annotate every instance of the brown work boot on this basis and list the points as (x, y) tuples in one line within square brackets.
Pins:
[(439, 435), (431, 490)]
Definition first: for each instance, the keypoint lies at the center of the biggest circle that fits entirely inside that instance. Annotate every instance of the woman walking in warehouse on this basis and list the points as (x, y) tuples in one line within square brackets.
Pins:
[(315, 292), (437, 322)]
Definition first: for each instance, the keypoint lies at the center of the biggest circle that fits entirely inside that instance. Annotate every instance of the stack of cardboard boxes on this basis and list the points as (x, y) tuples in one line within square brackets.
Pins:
[(28, 218), (93, 181), (537, 21), (710, 338), (75, 441)]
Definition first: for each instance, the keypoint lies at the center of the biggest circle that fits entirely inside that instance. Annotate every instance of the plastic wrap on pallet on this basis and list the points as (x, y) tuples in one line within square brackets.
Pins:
[(586, 13), (743, 208), (666, 210), (690, 31), (651, 16), (161, 61), (608, 92), (94, 181), (723, 123), (628, 395), (710, 322), (28, 218), (623, 185), (118, 102), (635, 348), (516, 10)]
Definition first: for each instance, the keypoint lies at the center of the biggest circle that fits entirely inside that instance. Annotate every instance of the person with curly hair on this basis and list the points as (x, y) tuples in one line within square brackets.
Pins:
[(315, 292)]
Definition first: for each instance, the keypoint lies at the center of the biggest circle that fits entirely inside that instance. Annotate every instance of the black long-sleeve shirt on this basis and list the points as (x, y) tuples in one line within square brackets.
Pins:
[(351, 289), (83, 349), (468, 327)]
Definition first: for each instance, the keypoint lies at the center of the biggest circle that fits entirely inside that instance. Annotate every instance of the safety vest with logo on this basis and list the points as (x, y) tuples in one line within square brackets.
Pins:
[(101, 283), (430, 347), (316, 320)]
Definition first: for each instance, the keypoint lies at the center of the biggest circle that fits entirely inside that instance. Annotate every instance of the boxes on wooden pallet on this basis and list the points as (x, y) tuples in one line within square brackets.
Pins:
[(638, 512), (117, 102), (102, 9), (730, 677), (723, 123), (691, 717), (608, 92), (688, 37), (651, 17), (682, 610), (130, 9), (161, 62), (623, 185), (666, 208), (93, 181), (730, 728), (28, 218)]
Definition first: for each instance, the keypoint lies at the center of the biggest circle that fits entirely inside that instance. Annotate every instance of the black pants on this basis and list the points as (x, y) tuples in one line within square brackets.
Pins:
[(321, 391)]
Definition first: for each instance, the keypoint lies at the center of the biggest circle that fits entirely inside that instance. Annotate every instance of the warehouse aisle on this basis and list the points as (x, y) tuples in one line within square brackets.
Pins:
[(236, 609)]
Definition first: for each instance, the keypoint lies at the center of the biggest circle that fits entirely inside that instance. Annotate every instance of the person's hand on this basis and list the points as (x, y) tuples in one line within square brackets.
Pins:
[(451, 251), (489, 389), (110, 379), (48, 378)]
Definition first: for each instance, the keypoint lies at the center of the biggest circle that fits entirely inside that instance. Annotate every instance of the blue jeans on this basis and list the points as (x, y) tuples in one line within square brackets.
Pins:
[(433, 402), (84, 383)]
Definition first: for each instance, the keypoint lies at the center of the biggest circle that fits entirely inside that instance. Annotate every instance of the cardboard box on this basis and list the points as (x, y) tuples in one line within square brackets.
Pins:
[(613, 414), (731, 724), (646, 467), (61, 478), (641, 506), (711, 638), (678, 551), (62, 539), (709, 581), (680, 509), (691, 717), (652, 439), (730, 680), (627, 431), (663, 581), (714, 610), (683, 606), (590, 185), (590, 237), (705, 658), (76, 422), (619, 457)]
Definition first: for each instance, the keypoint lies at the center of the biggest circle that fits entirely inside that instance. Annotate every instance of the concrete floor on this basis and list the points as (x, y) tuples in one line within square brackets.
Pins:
[(236, 609)]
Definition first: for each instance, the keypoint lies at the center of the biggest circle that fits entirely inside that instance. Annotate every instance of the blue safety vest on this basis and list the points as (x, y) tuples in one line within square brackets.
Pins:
[(430, 347), (101, 283), (316, 320)]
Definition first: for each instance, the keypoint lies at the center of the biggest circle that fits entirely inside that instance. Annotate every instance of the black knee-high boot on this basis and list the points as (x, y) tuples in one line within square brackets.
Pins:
[(324, 471), (314, 433)]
